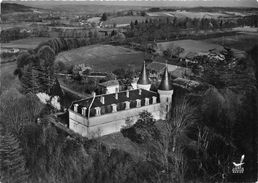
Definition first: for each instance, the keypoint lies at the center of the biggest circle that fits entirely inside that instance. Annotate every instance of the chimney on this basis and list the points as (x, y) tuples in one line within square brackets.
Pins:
[(102, 99), (140, 91), (154, 100), (147, 101), (127, 93), (114, 107), (116, 96), (127, 105), (84, 111), (75, 108)]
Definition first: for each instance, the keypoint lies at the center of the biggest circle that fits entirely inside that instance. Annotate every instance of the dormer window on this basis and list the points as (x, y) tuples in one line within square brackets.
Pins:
[(127, 105), (114, 107), (154, 100), (147, 101), (138, 103), (84, 111), (75, 108), (97, 111)]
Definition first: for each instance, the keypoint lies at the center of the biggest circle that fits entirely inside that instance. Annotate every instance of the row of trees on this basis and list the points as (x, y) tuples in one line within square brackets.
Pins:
[(166, 28), (79, 34), (12, 34)]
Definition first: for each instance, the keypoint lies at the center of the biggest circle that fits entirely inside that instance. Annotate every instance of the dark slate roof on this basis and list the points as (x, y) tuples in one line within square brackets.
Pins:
[(144, 79), (165, 83), (110, 99)]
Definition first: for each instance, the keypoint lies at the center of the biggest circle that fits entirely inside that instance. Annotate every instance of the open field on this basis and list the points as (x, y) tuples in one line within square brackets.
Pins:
[(189, 46), (12, 25), (27, 43), (189, 14), (104, 58), (242, 41), (124, 20)]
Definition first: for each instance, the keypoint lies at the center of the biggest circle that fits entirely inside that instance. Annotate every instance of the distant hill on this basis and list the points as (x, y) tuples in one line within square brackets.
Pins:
[(13, 7)]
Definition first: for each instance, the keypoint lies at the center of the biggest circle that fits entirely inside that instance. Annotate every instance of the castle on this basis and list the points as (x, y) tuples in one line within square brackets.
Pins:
[(107, 113)]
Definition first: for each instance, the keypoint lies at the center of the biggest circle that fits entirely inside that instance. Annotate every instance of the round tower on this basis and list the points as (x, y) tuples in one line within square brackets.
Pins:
[(165, 91), (143, 81)]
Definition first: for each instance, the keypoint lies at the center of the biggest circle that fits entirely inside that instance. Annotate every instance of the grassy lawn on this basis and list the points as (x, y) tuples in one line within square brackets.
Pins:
[(124, 20), (103, 58), (27, 43), (189, 14), (190, 46), (242, 41)]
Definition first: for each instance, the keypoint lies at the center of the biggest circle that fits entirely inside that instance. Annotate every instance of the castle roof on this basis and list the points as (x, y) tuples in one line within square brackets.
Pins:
[(165, 83), (143, 79), (120, 100)]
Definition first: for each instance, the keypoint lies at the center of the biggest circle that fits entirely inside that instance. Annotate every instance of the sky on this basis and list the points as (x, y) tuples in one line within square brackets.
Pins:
[(184, 3)]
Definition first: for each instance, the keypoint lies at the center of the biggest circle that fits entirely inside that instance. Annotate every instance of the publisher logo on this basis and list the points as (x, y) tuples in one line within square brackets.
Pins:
[(238, 166)]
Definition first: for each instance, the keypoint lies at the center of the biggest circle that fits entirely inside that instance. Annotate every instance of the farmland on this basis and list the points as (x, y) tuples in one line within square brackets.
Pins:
[(124, 20), (27, 43), (189, 46), (104, 58), (242, 41), (189, 14)]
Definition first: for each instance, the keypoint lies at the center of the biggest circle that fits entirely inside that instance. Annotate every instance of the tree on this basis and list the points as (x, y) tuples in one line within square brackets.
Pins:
[(47, 57), (173, 51), (136, 22), (12, 162), (104, 17), (22, 59), (143, 130), (254, 55)]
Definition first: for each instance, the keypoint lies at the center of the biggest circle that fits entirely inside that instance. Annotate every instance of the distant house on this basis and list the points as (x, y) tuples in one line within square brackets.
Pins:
[(111, 86)]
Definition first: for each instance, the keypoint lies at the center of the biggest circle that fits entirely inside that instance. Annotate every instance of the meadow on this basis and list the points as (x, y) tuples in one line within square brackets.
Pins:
[(189, 14), (124, 20), (189, 46), (103, 58), (27, 43), (242, 41)]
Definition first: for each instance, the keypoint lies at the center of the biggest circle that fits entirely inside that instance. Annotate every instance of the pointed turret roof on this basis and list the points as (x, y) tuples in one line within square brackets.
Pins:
[(143, 79), (165, 83)]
